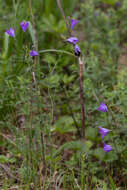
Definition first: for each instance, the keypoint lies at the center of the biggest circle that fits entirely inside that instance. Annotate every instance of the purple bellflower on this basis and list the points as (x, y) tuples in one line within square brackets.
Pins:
[(10, 32), (107, 148), (96, 14), (103, 132), (102, 107), (118, 4), (24, 25), (77, 50), (73, 23), (72, 40), (33, 53)]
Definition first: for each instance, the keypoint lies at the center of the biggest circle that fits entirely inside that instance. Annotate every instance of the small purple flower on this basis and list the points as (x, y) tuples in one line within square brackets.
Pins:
[(77, 50), (103, 132), (107, 148), (10, 32), (24, 25), (96, 14), (73, 23), (72, 40), (33, 53), (118, 4), (102, 107)]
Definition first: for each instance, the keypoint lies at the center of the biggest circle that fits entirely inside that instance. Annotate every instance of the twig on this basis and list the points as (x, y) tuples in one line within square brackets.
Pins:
[(82, 98), (62, 12)]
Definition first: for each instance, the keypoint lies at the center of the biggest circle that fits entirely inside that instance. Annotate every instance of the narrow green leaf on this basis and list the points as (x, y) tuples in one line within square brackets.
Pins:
[(31, 31)]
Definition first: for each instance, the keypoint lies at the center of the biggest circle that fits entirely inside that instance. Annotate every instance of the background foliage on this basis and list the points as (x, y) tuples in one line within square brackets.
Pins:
[(38, 137)]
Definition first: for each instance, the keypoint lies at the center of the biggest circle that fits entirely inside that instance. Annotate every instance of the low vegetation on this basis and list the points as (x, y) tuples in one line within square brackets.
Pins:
[(63, 100)]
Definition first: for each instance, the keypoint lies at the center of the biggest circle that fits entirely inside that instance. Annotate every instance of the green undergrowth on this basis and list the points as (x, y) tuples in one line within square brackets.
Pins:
[(39, 144)]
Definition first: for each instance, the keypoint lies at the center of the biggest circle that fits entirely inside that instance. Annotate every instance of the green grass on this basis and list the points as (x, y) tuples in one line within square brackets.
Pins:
[(39, 145)]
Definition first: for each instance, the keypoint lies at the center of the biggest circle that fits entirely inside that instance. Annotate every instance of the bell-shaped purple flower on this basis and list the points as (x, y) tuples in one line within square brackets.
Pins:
[(103, 132), (102, 107), (10, 32), (33, 53), (24, 25), (77, 50), (107, 148), (118, 4), (96, 14), (72, 40), (73, 23)]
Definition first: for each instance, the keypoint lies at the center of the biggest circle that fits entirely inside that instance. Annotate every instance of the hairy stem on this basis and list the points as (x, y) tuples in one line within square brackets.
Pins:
[(35, 34), (63, 14), (81, 76), (82, 99), (34, 82)]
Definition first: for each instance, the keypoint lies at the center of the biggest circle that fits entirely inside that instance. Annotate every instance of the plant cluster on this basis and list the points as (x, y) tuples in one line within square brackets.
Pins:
[(41, 142)]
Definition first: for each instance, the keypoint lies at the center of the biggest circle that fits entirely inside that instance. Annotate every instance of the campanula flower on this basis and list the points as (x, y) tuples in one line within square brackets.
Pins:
[(103, 132), (72, 40), (102, 107), (96, 14), (77, 50), (107, 148), (33, 53), (24, 25), (118, 4), (10, 32), (73, 23)]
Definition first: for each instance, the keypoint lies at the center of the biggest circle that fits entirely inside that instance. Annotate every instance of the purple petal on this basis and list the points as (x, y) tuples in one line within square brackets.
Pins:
[(103, 132), (96, 14), (72, 40), (24, 25), (77, 50), (73, 23), (33, 53), (10, 32), (102, 107), (102, 136), (118, 4), (107, 148)]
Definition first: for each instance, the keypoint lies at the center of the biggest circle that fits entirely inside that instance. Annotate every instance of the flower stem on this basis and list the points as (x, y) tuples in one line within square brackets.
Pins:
[(82, 99), (81, 75), (63, 14)]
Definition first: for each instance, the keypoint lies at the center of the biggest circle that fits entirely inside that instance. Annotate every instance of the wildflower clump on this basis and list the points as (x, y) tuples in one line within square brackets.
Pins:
[(104, 131), (24, 25), (74, 40)]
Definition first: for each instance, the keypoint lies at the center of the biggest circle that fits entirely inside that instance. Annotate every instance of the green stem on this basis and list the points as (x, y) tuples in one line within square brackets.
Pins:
[(57, 51)]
